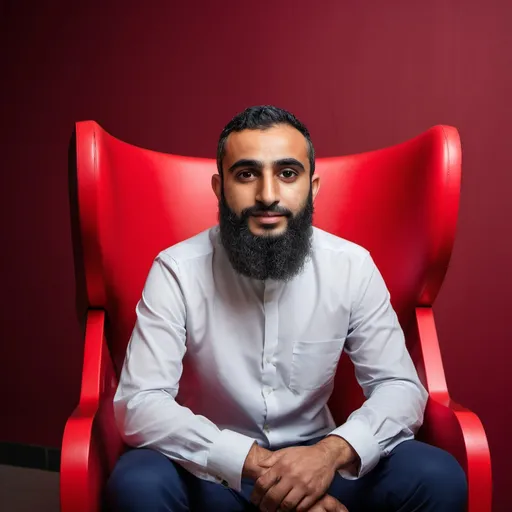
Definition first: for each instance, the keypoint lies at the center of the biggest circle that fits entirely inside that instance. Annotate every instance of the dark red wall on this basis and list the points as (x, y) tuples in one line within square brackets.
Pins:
[(362, 75)]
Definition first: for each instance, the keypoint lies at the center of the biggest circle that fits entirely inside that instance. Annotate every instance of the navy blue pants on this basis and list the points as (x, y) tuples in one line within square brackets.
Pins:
[(414, 477)]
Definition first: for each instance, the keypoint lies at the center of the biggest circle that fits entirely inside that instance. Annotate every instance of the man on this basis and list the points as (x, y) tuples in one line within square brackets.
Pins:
[(231, 362)]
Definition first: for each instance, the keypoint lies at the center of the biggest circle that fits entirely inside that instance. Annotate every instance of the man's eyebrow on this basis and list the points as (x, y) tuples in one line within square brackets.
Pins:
[(283, 162), (246, 162), (257, 164)]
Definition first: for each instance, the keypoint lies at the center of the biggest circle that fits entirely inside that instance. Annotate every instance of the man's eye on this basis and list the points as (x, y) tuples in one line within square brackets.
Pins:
[(246, 175), (287, 174)]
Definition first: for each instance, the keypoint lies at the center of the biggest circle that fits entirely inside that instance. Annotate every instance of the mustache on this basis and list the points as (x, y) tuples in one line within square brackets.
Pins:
[(262, 209)]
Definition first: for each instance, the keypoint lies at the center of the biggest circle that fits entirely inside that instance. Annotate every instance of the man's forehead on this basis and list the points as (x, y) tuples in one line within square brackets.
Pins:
[(273, 143)]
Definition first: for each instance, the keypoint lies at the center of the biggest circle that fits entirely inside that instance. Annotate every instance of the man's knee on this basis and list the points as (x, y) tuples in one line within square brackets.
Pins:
[(444, 478), (144, 480), (432, 477)]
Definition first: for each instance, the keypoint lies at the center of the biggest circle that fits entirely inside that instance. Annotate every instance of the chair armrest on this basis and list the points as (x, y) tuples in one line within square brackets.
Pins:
[(460, 432), (448, 425), (91, 443)]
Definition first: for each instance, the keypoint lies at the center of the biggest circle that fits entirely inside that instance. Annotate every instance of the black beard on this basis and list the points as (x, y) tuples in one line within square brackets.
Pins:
[(279, 257)]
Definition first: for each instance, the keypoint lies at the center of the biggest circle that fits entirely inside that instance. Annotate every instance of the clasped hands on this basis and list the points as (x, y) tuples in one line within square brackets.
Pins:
[(297, 478)]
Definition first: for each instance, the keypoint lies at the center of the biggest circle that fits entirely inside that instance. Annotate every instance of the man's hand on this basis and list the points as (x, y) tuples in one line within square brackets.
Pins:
[(328, 504), (298, 477), (252, 468)]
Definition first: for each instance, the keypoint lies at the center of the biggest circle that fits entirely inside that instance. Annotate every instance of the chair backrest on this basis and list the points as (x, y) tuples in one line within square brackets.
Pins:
[(401, 203)]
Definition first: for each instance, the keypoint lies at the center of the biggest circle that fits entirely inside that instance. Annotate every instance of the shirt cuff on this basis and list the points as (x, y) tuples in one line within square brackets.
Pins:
[(227, 457), (359, 436)]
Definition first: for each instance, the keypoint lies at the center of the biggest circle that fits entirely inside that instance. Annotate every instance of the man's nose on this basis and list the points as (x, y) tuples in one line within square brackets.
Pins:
[(268, 190)]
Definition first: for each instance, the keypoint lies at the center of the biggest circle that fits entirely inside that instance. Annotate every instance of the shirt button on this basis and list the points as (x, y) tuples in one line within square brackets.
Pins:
[(266, 428), (267, 390)]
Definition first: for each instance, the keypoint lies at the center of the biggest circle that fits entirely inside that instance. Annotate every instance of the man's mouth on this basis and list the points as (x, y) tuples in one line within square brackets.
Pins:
[(268, 217), (268, 214)]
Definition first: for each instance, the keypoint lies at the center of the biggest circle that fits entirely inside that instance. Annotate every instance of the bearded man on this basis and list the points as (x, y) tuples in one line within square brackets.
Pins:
[(224, 389)]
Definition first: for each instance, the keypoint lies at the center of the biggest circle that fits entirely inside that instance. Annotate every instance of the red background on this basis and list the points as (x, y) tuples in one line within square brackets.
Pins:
[(361, 75)]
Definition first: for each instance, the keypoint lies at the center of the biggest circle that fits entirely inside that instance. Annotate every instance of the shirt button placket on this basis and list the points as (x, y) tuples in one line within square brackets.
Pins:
[(269, 370)]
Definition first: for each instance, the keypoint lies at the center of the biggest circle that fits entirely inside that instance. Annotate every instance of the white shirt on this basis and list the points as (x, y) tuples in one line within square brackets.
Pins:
[(218, 361)]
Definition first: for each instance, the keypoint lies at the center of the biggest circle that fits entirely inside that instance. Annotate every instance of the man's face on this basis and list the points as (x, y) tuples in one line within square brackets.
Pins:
[(266, 202), (266, 169)]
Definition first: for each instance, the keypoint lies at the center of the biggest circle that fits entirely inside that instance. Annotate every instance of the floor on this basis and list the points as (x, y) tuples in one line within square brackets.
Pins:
[(28, 490)]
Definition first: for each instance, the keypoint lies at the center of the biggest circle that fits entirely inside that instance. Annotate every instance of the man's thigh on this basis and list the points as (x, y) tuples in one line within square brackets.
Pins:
[(209, 496), (414, 477), (145, 480)]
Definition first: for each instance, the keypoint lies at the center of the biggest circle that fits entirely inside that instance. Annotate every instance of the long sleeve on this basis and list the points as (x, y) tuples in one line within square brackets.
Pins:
[(146, 412), (395, 398)]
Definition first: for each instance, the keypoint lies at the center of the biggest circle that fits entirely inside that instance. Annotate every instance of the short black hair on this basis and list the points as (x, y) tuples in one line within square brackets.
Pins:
[(262, 117)]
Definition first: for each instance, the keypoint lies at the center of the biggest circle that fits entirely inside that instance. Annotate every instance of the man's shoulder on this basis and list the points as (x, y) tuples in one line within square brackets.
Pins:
[(198, 247), (326, 243)]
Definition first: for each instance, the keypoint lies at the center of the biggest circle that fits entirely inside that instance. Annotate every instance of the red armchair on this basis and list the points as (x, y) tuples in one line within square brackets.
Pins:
[(401, 203)]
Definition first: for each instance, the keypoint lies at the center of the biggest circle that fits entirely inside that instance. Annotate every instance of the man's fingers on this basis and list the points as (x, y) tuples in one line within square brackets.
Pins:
[(268, 462), (328, 504), (309, 501), (272, 500), (262, 485), (331, 504), (318, 507), (292, 499), (336, 507)]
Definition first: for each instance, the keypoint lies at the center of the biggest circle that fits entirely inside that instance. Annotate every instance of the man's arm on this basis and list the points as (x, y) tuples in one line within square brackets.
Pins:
[(395, 398), (146, 412)]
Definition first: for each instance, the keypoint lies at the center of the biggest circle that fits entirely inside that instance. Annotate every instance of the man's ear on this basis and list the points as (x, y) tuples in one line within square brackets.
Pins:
[(217, 185), (315, 185)]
